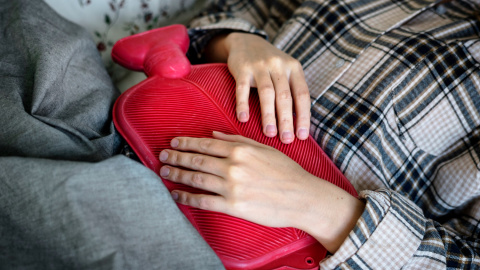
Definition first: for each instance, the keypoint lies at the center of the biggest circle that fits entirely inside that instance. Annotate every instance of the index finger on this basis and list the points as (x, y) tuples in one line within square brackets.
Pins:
[(212, 147), (301, 100)]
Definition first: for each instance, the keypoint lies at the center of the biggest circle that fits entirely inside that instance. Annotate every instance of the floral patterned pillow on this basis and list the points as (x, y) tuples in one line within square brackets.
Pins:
[(111, 20)]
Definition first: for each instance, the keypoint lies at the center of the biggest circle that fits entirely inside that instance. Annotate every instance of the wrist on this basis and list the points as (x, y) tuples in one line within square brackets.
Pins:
[(219, 47), (342, 219), (331, 215), (216, 49)]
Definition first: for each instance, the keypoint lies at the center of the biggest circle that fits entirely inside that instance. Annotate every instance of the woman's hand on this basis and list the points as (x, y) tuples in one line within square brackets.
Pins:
[(260, 184), (278, 77)]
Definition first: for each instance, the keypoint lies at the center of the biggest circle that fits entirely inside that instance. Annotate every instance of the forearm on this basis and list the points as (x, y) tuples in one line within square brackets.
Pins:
[(330, 212)]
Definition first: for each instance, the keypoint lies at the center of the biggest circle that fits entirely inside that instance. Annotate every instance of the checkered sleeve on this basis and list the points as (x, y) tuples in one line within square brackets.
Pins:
[(386, 236), (225, 16), (404, 125), (393, 233), (259, 17)]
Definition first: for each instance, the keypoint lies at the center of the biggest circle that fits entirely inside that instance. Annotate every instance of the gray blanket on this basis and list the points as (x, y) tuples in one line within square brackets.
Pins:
[(66, 200)]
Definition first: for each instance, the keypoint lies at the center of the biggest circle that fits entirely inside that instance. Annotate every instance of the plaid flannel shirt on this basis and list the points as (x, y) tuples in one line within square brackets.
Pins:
[(395, 91)]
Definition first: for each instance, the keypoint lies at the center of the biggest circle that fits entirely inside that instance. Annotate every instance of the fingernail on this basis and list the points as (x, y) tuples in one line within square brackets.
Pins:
[(287, 136), (174, 143), (271, 130), (242, 117), (163, 155), (174, 196), (302, 133), (164, 171)]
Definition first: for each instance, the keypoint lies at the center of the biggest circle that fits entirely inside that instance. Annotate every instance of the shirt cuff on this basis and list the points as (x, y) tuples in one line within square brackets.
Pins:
[(201, 32), (386, 236)]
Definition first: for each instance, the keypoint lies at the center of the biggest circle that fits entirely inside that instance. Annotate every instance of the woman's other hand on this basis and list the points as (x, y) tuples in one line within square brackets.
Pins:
[(258, 183), (279, 79)]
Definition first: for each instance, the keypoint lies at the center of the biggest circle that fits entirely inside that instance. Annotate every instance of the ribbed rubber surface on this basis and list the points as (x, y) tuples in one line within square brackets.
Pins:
[(153, 112)]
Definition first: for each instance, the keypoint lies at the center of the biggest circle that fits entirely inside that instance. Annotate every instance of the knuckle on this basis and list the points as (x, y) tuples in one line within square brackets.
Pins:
[(173, 156), (243, 85), (268, 116), (275, 60), (285, 120), (175, 174), (304, 118), (237, 204), (234, 171), (303, 94), (265, 89), (197, 180), (188, 199), (182, 198), (234, 191), (242, 102), (198, 161), (182, 143), (203, 203), (284, 95), (237, 153), (295, 64), (205, 144)]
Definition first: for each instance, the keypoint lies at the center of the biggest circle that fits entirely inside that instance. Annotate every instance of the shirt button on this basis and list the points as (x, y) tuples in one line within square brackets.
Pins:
[(441, 9), (340, 63)]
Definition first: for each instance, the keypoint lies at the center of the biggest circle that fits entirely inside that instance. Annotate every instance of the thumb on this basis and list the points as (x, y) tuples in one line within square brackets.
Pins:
[(235, 138)]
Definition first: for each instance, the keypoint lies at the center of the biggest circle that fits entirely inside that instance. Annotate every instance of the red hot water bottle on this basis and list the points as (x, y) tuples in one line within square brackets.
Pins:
[(178, 99)]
